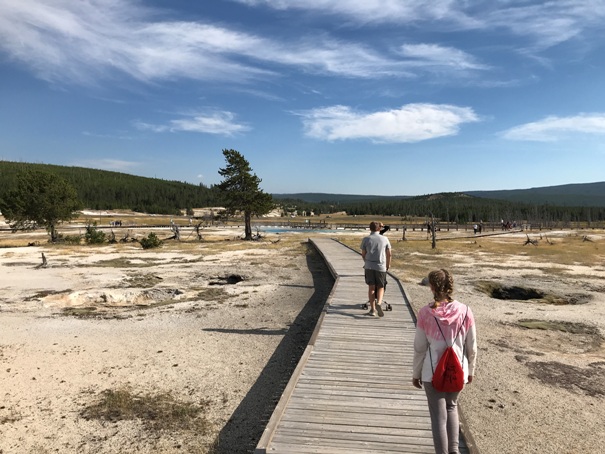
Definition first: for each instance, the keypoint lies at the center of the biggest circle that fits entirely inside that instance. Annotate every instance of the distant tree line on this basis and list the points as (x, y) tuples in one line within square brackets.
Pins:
[(452, 207), (105, 190)]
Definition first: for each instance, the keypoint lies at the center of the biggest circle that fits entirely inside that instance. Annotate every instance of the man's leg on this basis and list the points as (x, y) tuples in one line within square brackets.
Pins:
[(372, 297), (381, 282), (379, 294)]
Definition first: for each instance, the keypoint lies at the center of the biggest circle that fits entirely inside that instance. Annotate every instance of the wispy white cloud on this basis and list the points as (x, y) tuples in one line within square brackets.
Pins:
[(87, 42), (366, 11), (62, 40), (108, 164), (553, 128), (546, 23), (119, 136), (219, 123), (437, 57), (410, 123)]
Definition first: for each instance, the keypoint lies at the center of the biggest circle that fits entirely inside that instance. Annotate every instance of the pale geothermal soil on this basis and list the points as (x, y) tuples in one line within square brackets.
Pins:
[(220, 325)]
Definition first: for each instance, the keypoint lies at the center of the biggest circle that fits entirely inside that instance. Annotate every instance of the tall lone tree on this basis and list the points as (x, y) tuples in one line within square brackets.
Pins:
[(39, 199), (241, 190)]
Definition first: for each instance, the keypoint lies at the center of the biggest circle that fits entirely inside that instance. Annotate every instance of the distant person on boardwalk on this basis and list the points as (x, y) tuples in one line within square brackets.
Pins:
[(376, 254), (383, 229), (438, 324)]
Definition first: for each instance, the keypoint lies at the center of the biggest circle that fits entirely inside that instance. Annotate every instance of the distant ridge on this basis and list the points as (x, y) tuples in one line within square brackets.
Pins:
[(578, 195), (318, 197), (582, 194)]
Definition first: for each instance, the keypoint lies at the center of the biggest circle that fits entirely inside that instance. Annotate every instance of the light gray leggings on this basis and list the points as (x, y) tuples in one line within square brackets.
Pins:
[(443, 408)]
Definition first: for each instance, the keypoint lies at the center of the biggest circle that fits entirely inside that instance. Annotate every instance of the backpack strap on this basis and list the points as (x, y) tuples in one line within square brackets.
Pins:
[(453, 341)]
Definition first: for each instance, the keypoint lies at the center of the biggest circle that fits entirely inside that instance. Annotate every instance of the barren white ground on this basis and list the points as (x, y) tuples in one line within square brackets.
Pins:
[(535, 391), (215, 344), (165, 321)]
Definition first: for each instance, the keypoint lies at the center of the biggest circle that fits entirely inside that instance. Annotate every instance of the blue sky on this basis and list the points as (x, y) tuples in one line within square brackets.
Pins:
[(378, 97)]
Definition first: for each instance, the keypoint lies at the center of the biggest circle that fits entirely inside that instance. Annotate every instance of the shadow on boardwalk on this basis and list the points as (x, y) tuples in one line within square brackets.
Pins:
[(242, 432)]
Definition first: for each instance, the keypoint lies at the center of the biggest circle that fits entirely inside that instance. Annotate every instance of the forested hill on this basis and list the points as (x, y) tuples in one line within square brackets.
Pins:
[(577, 195), (320, 197), (105, 190), (464, 207), (587, 194)]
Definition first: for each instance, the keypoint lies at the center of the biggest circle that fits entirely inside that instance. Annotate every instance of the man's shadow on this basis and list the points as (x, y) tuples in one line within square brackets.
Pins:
[(245, 427)]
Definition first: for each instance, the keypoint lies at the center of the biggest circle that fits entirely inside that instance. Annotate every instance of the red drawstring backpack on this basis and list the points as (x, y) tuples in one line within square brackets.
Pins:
[(448, 377)]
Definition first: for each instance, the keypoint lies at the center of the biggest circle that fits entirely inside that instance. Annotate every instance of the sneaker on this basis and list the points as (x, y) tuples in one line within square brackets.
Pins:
[(379, 310), (372, 314)]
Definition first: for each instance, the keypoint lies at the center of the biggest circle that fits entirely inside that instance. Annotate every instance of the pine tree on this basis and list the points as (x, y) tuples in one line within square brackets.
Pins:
[(241, 189)]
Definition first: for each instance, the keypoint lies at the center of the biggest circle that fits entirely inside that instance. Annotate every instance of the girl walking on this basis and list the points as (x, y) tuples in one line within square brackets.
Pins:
[(442, 323)]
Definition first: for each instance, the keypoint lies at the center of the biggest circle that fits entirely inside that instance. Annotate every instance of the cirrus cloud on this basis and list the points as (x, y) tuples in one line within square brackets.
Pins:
[(554, 128), (219, 123)]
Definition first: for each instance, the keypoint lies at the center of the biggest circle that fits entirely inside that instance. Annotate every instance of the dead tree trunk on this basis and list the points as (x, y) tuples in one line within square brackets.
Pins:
[(530, 241), (177, 232), (198, 232), (44, 263)]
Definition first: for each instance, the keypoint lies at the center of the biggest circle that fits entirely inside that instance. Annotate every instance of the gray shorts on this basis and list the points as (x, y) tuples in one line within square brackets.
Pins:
[(376, 278)]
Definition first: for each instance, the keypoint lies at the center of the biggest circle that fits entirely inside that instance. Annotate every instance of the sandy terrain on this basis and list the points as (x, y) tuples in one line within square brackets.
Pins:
[(218, 326), (536, 390)]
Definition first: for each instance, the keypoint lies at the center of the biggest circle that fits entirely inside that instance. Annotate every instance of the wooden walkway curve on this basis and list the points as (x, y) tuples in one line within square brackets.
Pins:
[(351, 391)]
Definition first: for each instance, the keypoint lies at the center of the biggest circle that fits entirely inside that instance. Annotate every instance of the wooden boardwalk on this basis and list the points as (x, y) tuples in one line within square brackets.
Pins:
[(351, 391)]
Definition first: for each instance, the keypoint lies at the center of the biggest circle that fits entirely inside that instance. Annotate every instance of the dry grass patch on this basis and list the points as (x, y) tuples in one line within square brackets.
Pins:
[(159, 412), (213, 294), (127, 262), (44, 293), (566, 327), (80, 312), (141, 281)]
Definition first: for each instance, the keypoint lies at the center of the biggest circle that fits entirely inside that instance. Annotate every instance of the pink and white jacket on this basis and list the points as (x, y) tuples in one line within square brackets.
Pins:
[(450, 316)]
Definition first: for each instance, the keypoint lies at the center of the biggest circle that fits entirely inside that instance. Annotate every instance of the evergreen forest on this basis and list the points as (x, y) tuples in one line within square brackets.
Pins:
[(106, 190)]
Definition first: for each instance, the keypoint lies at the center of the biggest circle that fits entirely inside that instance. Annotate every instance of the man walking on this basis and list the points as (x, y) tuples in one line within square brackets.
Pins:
[(376, 254)]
